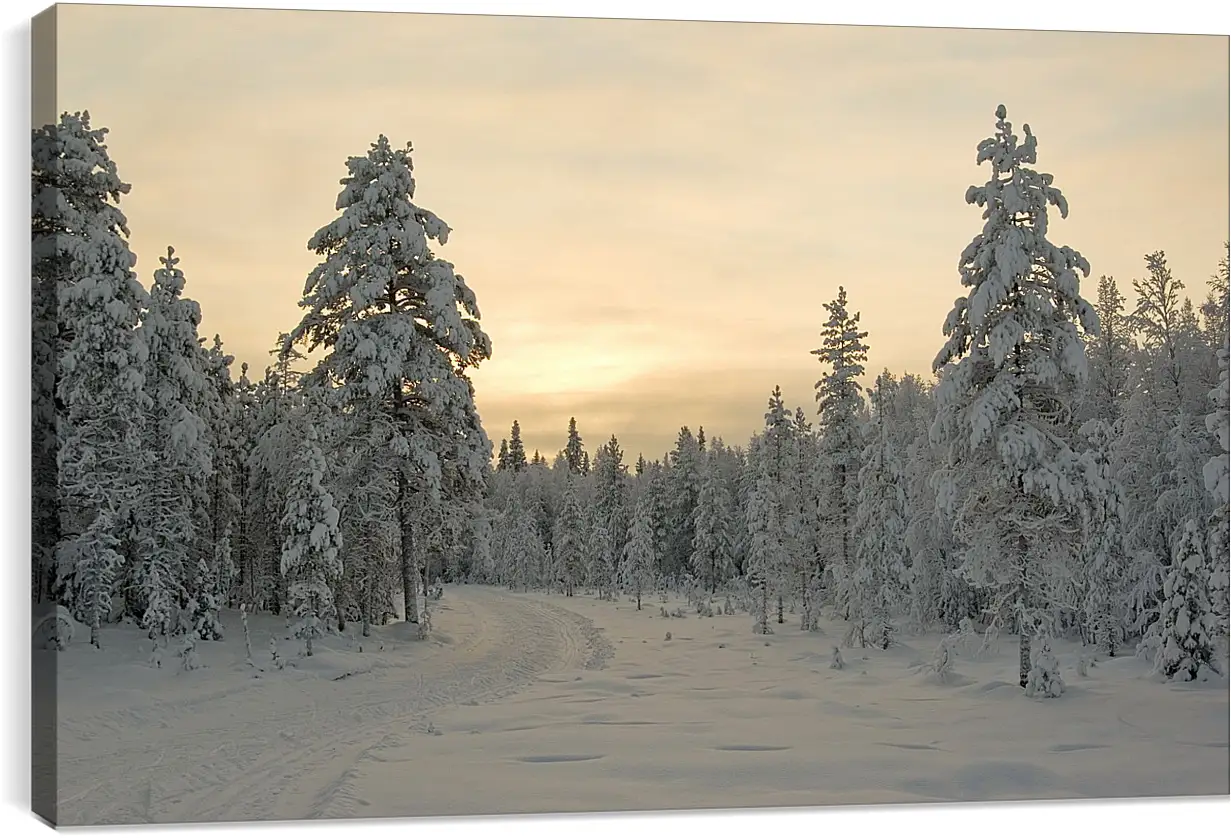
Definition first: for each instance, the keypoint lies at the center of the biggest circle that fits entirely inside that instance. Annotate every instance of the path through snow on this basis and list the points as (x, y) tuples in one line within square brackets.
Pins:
[(139, 744)]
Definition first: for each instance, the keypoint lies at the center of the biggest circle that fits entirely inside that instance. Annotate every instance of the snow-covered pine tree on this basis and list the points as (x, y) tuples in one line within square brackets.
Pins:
[(569, 547), (400, 330), (1187, 622), (310, 554), (502, 459), (1110, 356), (573, 449), (711, 556), (611, 510), (82, 260), (1217, 475), (839, 397), (517, 450), (223, 502), (683, 487), (1103, 560), (639, 561), (880, 527), (802, 533), (765, 557), (177, 447), (1216, 310), (1008, 372), (276, 442)]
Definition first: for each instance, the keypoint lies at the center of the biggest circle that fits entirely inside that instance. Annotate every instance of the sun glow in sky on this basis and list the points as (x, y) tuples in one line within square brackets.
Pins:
[(651, 213)]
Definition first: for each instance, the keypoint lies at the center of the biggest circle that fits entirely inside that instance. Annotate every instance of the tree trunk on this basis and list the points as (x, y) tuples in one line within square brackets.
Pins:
[(1023, 656), (410, 600)]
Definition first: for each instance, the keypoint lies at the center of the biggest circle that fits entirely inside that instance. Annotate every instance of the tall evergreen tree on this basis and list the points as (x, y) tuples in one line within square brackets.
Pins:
[(177, 445), (638, 562), (711, 555), (839, 397), (1217, 475), (612, 512), (880, 552), (573, 449), (81, 260), (400, 330), (684, 485), (1110, 354), (311, 552), (1008, 372), (569, 547), (517, 450)]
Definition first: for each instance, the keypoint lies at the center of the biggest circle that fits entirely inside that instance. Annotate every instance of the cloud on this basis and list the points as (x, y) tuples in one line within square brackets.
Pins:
[(644, 205)]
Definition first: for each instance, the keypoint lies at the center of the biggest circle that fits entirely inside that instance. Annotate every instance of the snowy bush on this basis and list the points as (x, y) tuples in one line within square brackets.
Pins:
[(1044, 679), (837, 662), (55, 629), (942, 664), (188, 653), (1185, 647)]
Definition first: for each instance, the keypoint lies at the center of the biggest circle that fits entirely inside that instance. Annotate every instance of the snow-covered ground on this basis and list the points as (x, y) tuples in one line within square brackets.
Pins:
[(523, 703)]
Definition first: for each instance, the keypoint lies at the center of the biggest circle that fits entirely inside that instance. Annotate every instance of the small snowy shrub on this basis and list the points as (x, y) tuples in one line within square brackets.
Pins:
[(275, 657), (942, 664), (243, 616), (837, 662), (668, 637), (1044, 678), (188, 652), (54, 630), (1185, 649), (308, 629)]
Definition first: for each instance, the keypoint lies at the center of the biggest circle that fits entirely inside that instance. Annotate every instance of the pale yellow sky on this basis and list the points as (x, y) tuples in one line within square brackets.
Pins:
[(651, 213)]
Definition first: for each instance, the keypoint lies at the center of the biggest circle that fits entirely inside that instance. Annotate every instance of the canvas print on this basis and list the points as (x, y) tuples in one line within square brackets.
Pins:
[(480, 415)]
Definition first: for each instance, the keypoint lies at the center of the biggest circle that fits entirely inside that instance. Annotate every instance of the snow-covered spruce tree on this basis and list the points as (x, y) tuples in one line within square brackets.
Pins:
[(711, 555), (638, 562), (569, 547), (400, 329), (1008, 373), (880, 526), (517, 450), (1215, 310), (1110, 356), (311, 552), (573, 449), (1187, 622), (81, 260), (276, 443), (774, 460), (612, 511), (1217, 475), (179, 458), (801, 520), (839, 399), (223, 502), (1103, 560), (683, 488), (765, 557), (524, 550)]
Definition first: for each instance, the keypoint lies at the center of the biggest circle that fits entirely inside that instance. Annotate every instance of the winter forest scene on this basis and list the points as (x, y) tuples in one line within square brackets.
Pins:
[(562, 415)]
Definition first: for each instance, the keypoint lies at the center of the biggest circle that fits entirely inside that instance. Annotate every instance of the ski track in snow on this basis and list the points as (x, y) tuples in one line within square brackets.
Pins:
[(286, 753), (533, 702)]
